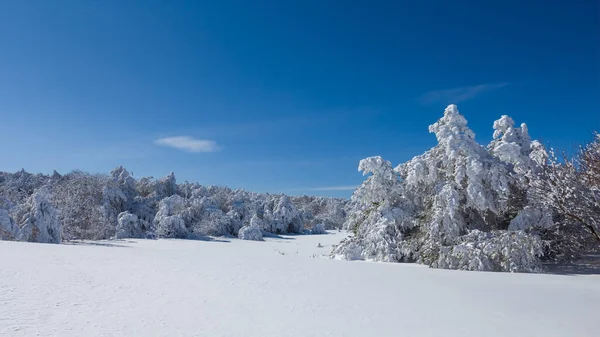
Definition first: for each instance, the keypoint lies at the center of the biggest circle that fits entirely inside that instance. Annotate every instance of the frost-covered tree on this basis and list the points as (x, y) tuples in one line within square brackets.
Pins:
[(38, 219), (89, 205), (8, 227), (330, 212), (117, 205), (214, 222), (286, 218), (126, 183), (433, 208), (512, 145), (572, 187), (376, 207), (169, 222), (167, 186), (19, 186)]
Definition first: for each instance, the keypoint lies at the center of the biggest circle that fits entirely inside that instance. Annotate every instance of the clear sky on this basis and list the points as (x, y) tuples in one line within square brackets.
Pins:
[(283, 96)]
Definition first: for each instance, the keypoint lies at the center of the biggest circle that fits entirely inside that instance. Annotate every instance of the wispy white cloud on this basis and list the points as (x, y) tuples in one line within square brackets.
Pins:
[(189, 144), (457, 95), (333, 188)]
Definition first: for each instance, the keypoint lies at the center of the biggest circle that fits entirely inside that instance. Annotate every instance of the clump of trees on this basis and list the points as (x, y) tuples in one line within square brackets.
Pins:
[(501, 207), (79, 205)]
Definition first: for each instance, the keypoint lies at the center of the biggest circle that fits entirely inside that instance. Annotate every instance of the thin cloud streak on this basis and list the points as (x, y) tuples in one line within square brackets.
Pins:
[(457, 95), (189, 144)]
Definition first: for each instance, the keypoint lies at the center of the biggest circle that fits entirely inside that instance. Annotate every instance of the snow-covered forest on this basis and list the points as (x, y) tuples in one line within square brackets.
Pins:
[(461, 205), (507, 206), (79, 205)]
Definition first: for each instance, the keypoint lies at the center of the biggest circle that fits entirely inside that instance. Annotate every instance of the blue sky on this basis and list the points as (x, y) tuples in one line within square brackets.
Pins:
[(281, 96)]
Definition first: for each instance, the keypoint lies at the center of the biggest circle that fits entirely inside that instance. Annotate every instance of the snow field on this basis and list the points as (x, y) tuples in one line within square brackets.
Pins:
[(281, 287)]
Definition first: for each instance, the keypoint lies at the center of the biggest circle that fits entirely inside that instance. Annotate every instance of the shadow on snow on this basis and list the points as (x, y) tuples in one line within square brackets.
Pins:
[(586, 265)]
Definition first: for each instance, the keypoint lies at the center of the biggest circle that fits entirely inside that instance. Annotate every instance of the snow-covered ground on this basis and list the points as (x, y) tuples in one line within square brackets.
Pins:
[(281, 287)]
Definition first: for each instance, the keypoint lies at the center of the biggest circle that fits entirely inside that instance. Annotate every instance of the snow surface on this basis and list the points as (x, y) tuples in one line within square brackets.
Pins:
[(284, 286)]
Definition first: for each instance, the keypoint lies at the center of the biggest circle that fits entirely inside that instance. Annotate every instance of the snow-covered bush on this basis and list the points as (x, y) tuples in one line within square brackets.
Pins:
[(318, 229), (252, 231), (129, 226), (493, 251), (172, 226), (434, 208), (214, 223)]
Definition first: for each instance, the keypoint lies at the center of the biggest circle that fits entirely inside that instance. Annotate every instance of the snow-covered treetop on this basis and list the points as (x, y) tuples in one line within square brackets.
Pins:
[(538, 154), (452, 127), (375, 165), (502, 125), (512, 145), (455, 138)]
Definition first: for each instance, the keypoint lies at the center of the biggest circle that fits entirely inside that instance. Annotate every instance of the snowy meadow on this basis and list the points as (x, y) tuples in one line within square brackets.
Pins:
[(154, 257), (283, 286)]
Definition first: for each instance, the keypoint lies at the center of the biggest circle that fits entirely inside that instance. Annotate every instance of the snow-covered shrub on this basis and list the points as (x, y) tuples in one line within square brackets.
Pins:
[(171, 226), (214, 223), (252, 231), (349, 250), (129, 226), (318, 229), (566, 240), (420, 210), (493, 251)]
